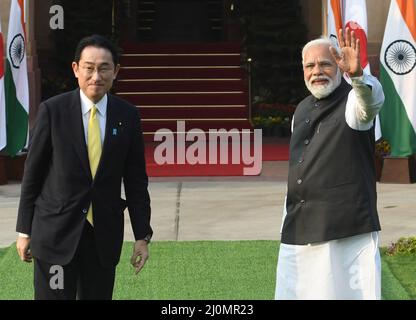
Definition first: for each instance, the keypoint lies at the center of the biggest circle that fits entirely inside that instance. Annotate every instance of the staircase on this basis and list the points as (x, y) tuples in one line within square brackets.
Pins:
[(202, 84)]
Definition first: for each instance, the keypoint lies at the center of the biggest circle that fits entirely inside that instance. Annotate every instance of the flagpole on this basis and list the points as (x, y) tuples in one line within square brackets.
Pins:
[(27, 28), (324, 17)]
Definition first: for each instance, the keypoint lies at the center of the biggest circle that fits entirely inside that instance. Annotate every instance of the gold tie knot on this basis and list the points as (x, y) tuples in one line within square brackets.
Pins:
[(93, 111)]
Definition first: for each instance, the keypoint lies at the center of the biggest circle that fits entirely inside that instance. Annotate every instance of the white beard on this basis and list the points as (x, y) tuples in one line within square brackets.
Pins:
[(322, 91)]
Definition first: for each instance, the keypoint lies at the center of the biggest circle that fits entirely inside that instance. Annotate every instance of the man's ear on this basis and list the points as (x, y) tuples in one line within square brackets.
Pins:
[(75, 68), (116, 70)]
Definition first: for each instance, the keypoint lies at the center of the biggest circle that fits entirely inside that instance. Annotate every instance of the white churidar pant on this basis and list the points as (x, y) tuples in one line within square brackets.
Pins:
[(341, 269)]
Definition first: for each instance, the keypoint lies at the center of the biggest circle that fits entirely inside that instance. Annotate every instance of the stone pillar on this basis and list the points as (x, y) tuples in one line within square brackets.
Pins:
[(4, 17), (379, 9), (399, 170)]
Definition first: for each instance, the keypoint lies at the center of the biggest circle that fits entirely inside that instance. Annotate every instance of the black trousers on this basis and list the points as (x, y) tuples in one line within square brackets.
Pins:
[(84, 278)]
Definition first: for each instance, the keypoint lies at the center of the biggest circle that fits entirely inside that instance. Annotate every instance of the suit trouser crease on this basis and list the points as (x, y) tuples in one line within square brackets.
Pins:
[(83, 278)]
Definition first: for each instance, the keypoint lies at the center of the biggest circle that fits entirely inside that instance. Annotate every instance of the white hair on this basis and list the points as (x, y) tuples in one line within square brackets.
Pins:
[(323, 41)]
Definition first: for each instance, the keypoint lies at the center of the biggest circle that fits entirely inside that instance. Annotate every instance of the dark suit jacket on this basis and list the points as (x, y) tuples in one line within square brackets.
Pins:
[(57, 186)]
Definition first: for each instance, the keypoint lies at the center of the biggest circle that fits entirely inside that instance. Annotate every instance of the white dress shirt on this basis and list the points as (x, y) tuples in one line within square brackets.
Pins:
[(86, 105)]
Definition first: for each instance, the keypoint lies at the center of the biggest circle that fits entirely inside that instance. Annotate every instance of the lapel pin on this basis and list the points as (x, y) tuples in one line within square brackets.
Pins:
[(114, 131)]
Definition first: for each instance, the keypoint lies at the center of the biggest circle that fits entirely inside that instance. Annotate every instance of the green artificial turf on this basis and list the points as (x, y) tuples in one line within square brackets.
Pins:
[(403, 269), (203, 270), (16, 277), (391, 289), (3, 252), (175, 270)]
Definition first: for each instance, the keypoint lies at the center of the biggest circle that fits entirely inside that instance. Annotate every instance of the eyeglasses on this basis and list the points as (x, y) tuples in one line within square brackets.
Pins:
[(101, 70)]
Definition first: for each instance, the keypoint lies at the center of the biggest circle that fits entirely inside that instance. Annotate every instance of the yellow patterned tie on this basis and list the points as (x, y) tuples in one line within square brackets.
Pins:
[(94, 149)]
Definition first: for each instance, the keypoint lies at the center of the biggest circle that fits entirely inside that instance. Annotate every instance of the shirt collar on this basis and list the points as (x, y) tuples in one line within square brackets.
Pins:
[(86, 104)]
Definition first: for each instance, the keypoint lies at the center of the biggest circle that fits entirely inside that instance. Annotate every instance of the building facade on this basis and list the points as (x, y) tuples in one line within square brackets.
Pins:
[(178, 21)]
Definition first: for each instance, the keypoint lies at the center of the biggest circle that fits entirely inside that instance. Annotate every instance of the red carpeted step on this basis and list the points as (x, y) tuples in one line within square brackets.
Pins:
[(202, 83), (186, 98), (276, 151), (205, 125), (181, 73), (171, 86), (149, 137), (184, 112), (270, 152), (180, 60), (201, 170), (214, 134)]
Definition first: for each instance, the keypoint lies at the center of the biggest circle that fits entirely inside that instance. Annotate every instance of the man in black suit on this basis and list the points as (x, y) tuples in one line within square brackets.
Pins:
[(70, 218)]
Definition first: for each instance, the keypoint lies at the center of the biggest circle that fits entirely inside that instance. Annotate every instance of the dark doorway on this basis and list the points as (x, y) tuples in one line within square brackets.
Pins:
[(179, 20), (183, 20)]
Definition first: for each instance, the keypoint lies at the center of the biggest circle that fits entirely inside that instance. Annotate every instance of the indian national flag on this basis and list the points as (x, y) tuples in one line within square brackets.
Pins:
[(16, 81), (398, 77), (355, 18), (351, 14), (2, 102), (334, 20)]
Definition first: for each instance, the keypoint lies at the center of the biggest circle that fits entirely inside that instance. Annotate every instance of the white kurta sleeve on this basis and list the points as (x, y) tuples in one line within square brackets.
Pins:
[(364, 102)]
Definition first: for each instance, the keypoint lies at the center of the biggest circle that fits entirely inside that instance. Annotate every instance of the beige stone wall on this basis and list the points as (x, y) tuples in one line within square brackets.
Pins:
[(377, 11), (4, 17)]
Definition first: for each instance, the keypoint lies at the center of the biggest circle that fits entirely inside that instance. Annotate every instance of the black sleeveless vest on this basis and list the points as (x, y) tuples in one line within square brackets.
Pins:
[(331, 184)]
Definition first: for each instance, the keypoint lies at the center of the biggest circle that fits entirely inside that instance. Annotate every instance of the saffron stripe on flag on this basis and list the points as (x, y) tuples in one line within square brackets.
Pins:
[(407, 8)]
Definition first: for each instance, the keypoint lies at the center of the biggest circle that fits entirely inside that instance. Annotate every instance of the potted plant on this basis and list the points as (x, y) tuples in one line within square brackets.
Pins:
[(273, 118), (382, 150)]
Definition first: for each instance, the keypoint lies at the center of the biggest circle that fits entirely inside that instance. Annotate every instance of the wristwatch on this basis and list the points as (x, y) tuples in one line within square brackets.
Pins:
[(147, 238)]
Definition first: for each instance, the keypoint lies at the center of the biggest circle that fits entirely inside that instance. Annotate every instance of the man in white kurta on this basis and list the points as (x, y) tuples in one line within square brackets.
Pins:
[(345, 266)]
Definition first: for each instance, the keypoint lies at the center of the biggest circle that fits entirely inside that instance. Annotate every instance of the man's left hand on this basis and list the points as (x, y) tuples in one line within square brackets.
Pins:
[(140, 251), (349, 59)]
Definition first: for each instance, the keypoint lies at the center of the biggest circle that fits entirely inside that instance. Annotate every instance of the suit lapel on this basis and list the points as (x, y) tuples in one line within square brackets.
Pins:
[(110, 133), (77, 126)]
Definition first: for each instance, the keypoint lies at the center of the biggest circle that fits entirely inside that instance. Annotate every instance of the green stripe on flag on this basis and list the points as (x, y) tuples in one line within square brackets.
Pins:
[(395, 125), (16, 116)]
